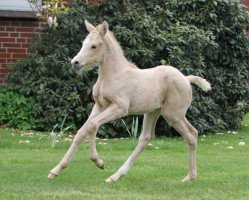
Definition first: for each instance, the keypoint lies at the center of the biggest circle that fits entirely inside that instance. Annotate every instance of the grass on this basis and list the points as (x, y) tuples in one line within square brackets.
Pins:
[(223, 171)]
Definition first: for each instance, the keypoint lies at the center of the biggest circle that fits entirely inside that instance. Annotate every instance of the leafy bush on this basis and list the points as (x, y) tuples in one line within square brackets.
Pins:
[(16, 110), (204, 38)]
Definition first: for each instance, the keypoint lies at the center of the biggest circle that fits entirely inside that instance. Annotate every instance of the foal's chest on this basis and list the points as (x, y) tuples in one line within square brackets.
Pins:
[(101, 99)]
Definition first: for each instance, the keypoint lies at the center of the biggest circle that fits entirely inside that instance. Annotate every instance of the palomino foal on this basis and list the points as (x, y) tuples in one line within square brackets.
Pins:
[(123, 89)]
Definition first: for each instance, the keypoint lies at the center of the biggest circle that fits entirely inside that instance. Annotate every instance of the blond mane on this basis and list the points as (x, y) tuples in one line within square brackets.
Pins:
[(119, 48)]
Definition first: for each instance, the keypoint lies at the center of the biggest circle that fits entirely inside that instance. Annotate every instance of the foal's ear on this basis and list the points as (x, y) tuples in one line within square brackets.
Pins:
[(104, 28), (89, 26)]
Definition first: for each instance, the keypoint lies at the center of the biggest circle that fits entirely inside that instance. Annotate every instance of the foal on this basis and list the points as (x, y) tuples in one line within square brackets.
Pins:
[(123, 89)]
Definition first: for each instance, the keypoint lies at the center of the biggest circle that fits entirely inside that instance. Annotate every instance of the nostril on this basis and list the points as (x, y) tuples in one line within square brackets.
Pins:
[(77, 65)]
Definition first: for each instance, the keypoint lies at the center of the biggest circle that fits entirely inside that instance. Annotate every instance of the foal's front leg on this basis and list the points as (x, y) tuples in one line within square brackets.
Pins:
[(113, 112), (80, 136), (93, 155)]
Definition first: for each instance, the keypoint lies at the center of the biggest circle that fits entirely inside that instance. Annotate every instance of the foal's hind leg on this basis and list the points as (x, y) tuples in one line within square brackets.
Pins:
[(190, 135), (191, 139), (147, 134)]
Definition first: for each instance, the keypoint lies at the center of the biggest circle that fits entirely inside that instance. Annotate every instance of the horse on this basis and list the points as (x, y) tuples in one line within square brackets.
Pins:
[(123, 89)]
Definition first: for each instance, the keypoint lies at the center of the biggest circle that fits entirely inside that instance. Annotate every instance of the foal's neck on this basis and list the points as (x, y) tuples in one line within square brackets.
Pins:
[(113, 61)]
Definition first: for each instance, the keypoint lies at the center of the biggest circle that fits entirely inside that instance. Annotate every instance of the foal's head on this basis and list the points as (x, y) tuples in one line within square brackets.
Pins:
[(93, 49)]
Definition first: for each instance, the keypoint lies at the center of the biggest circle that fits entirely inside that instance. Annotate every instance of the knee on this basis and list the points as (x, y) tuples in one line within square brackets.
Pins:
[(77, 140), (192, 137), (91, 127), (145, 140), (192, 142), (79, 137), (195, 133)]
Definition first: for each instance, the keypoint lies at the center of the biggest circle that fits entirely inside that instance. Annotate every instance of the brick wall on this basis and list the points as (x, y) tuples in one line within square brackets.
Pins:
[(246, 3), (15, 36)]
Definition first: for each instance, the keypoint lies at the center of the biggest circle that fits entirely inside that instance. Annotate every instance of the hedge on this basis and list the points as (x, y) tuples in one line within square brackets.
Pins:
[(204, 38)]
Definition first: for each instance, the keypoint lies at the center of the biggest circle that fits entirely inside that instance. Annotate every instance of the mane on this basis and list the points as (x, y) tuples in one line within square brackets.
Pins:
[(120, 49)]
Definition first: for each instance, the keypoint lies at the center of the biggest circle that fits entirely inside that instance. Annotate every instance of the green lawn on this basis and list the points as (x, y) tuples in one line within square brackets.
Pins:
[(223, 168)]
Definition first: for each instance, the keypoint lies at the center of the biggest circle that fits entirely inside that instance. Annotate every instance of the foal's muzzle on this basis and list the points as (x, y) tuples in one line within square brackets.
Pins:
[(77, 66)]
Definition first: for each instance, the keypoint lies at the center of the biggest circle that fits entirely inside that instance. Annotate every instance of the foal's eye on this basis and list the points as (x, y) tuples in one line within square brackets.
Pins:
[(94, 47)]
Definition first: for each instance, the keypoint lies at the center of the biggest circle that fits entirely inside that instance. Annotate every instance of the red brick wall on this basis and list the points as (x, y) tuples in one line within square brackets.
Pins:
[(246, 2), (15, 36)]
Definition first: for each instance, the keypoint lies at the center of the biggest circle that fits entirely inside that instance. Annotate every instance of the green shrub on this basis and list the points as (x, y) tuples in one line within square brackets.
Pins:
[(204, 38), (16, 110)]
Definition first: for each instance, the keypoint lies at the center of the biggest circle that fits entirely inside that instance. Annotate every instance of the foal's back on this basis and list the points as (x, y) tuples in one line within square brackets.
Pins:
[(153, 88)]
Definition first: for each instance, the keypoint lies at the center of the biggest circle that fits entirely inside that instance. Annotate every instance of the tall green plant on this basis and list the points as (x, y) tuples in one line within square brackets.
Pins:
[(56, 136), (133, 133)]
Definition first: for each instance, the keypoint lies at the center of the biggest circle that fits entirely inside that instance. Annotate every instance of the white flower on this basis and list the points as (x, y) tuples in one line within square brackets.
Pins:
[(68, 139), (55, 21), (104, 143), (230, 147), (241, 143), (44, 7), (150, 144), (50, 21), (241, 103), (24, 141), (30, 134), (235, 132), (38, 14), (219, 133)]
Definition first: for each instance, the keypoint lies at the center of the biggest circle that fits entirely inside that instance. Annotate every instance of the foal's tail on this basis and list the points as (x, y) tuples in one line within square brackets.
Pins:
[(201, 82)]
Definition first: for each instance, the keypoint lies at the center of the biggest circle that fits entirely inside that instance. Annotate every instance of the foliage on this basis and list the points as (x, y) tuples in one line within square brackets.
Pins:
[(49, 10), (205, 38), (16, 110)]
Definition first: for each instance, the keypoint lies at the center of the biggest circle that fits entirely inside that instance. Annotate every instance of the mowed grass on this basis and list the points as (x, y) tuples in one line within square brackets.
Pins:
[(223, 168)]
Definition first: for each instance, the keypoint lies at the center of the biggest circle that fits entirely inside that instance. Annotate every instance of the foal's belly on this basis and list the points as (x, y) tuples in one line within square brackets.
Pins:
[(144, 104), (148, 94)]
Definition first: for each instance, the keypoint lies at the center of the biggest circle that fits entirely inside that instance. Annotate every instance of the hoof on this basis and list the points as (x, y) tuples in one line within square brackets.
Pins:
[(102, 166), (109, 180), (188, 178), (51, 175)]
